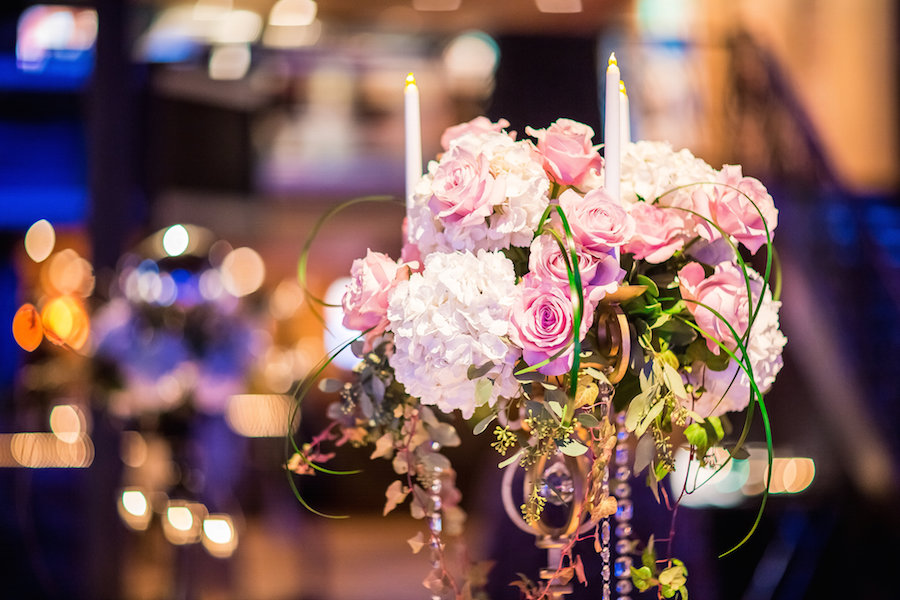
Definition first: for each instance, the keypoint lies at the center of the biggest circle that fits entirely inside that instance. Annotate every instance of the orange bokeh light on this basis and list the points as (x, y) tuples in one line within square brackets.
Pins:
[(65, 322), (27, 328)]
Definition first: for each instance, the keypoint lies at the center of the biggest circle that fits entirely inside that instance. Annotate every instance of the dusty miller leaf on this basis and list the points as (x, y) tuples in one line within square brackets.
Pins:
[(649, 417)]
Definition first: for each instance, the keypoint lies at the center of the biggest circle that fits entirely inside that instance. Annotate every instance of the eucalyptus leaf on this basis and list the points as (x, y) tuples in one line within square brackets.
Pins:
[(529, 377), (483, 424), (648, 556), (636, 409), (644, 453), (572, 448), (510, 460), (483, 390), (357, 348), (649, 417), (556, 407), (331, 386), (478, 372), (675, 384), (588, 420), (641, 578)]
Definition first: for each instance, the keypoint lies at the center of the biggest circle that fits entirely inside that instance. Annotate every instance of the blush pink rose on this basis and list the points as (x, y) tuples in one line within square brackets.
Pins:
[(725, 291), (600, 273), (542, 324), (598, 222), (476, 125), (463, 189), (731, 207), (658, 232), (568, 155), (365, 301)]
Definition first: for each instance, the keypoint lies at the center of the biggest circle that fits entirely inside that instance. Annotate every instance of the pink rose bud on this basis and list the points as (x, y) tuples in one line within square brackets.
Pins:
[(569, 157), (476, 125), (598, 222)]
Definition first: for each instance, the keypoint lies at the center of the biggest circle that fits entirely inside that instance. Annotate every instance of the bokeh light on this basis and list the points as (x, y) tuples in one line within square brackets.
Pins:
[(293, 13), (258, 415), (176, 240), (28, 330), (243, 271), (182, 522), (40, 240), (134, 508), (219, 536), (67, 422), (65, 322)]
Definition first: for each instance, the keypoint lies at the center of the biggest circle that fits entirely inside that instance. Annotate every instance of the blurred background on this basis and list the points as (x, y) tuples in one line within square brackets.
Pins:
[(163, 163)]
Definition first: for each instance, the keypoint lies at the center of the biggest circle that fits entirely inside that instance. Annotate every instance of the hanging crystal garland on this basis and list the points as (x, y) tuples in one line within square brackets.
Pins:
[(435, 519), (625, 544)]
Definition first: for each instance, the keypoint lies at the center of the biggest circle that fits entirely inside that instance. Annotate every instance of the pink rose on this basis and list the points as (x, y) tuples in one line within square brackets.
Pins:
[(542, 324), (725, 291), (658, 232), (600, 273), (463, 189), (598, 222), (366, 300), (569, 157), (731, 207), (476, 125)]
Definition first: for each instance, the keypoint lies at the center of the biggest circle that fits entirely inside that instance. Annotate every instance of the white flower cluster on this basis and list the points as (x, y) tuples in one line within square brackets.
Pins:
[(514, 165), (729, 390), (454, 314), (650, 169)]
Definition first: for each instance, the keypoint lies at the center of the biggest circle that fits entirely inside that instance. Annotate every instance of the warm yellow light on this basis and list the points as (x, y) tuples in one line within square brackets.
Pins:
[(558, 6), (293, 13), (182, 524), (67, 422), (622, 88), (65, 322), (68, 273), (135, 502), (45, 450), (176, 240), (612, 59), (436, 5), (286, 299), (219, 535), (410, 80), (258, 415), (180, 517), (133, 449), (243, 271), (39, 240), (218, 530), (229, 62), (134, 508)]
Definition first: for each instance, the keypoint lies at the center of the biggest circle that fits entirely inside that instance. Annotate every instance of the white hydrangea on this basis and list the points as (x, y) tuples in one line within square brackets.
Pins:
[(512, 221), (650, 169), (454, 314), (729, 390)]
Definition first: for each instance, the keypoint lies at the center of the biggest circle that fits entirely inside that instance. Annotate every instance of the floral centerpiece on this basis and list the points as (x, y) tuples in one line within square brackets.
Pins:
[(530, 299)]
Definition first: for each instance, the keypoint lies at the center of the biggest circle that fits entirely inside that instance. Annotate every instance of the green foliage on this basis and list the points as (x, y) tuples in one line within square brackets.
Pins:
[(671, 581)]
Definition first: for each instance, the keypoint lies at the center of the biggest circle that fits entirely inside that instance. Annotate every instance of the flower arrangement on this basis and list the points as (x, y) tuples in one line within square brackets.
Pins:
[(529, 298)]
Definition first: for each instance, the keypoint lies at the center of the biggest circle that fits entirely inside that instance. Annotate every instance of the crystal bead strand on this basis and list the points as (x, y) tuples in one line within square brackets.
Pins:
[(625, 544), (435, 521), (606, 392)]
